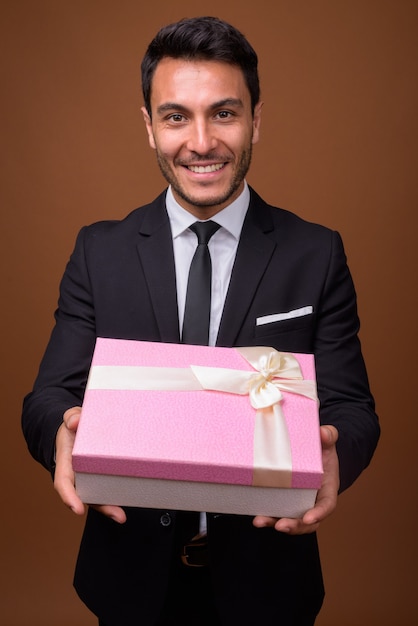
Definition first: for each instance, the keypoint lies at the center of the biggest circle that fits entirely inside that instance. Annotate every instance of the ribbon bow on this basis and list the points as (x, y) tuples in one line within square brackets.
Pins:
[(274, 372)]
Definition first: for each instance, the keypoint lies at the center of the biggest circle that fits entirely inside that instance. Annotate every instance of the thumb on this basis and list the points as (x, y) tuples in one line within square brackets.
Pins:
[(72, 418), (329, 435)]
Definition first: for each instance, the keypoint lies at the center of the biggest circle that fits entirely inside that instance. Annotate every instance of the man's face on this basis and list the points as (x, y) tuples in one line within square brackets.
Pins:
[(202, 129)]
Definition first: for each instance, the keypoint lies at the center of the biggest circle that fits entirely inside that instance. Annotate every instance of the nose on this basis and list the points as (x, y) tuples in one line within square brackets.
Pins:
[(202, 139)]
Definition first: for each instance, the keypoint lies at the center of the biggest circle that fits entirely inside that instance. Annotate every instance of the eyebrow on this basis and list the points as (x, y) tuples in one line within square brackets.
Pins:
[(175, 106)]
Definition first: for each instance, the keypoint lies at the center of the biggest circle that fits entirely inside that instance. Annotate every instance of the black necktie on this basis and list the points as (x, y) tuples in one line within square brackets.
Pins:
[(198, 296)]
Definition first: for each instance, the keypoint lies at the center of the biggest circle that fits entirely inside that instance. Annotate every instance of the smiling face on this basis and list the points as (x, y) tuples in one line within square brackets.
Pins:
[(202, 129)]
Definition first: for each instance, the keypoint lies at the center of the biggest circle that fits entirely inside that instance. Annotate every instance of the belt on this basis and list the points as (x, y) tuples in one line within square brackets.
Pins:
[(195, 553)]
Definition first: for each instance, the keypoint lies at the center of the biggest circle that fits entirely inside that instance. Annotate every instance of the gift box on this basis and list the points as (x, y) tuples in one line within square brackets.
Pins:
[(224, 430)]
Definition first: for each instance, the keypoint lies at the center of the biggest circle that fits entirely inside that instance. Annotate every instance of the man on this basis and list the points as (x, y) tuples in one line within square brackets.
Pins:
[(276, 280)]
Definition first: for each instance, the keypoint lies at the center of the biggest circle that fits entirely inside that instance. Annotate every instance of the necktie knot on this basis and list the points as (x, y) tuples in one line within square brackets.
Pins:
[(204, 231)]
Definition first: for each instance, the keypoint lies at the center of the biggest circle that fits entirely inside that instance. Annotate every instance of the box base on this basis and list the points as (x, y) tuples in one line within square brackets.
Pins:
[(193, 496)]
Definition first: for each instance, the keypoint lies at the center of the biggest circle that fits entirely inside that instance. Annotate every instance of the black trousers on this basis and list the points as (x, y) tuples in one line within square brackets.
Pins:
[(189, 600)]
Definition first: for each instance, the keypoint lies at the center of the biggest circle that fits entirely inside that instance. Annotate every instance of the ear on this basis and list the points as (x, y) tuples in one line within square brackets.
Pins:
[(257, 122), (148, 126)]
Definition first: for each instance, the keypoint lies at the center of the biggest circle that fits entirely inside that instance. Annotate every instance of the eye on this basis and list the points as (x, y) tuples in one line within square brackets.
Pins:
[(224, 115), (176, 117)]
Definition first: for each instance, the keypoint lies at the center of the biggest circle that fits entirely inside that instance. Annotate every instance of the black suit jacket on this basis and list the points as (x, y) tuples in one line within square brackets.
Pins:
[(120, 283)]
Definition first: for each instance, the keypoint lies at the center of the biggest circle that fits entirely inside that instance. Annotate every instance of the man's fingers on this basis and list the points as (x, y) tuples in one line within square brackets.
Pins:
[(72, 418), (261, 521), (64, 474), (116, 513), (329, 435)]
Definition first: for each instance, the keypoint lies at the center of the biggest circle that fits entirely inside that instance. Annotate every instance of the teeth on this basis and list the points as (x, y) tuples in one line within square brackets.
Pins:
[(199, 169)]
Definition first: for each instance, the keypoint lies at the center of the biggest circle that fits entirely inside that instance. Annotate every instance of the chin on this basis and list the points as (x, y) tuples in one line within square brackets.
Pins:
[(208, 200)]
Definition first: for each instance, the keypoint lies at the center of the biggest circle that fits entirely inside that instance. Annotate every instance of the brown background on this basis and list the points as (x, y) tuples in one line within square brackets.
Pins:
[(339, 141)]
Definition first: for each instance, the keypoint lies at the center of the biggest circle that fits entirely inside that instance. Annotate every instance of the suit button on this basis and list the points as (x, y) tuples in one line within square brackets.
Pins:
[(165, 519)]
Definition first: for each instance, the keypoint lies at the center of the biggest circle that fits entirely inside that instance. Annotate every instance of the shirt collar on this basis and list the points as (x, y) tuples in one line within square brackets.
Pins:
[(231, 217)]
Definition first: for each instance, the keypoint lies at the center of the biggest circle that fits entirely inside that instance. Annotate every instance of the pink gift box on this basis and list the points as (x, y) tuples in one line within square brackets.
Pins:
[(199, 428)]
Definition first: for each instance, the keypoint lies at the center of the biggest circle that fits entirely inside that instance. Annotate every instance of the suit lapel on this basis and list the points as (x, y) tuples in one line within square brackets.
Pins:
[(155, 249), (253, 255)]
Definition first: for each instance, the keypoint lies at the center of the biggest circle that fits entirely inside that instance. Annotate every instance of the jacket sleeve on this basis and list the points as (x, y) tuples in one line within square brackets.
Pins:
[(64, 368), (343, 388)]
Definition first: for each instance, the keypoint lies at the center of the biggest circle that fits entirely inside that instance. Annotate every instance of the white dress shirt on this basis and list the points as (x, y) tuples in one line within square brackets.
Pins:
[(222, 246)]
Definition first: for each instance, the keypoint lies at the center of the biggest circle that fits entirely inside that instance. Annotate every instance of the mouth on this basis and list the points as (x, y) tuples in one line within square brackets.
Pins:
[(205, 169)]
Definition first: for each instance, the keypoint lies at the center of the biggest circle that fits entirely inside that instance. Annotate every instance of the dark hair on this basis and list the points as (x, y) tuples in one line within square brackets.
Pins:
[(201, 38)]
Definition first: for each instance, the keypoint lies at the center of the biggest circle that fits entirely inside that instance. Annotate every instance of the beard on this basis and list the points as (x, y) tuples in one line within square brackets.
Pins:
[(215, 200)]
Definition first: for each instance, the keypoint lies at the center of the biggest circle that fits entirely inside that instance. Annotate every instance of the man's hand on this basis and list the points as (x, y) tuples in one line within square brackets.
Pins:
[(64, 474), (326, 500)]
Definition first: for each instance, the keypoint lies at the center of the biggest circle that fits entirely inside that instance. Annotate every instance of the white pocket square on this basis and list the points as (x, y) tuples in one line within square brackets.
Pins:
[(279, 317)]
